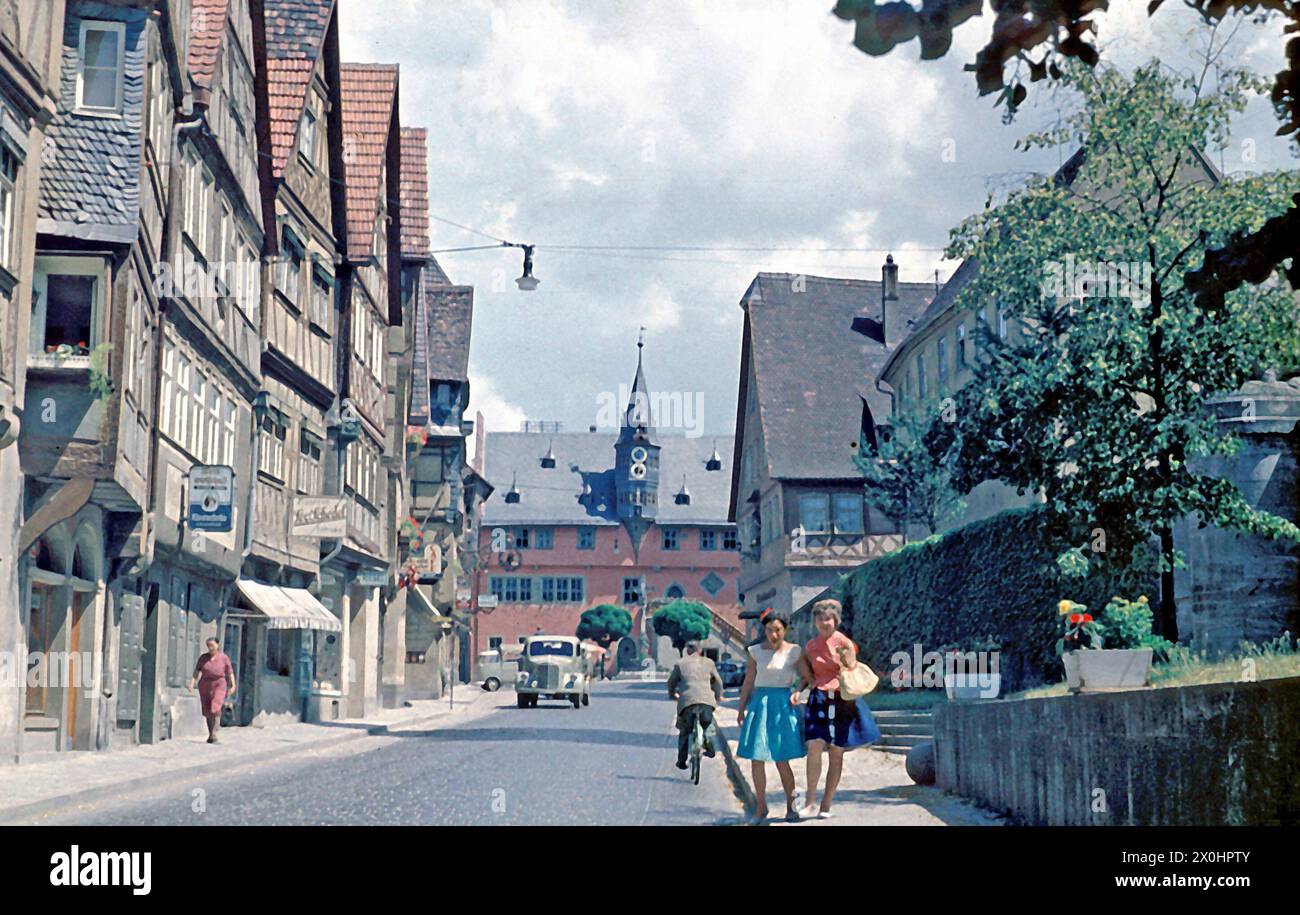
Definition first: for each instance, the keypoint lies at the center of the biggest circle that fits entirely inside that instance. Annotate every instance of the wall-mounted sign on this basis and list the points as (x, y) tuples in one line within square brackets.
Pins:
[(211, 498), (319, 516), (486, 601), (370, 578)]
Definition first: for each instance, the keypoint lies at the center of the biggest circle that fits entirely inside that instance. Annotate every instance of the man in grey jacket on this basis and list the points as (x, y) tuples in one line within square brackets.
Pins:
[(697, 687)]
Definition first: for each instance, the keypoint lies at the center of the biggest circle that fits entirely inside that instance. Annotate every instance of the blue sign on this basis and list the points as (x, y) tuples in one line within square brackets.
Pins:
[(211, 498)]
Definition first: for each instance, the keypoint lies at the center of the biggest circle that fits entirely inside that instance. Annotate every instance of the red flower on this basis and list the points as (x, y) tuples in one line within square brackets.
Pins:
[(1076, 619), (1087, 617)]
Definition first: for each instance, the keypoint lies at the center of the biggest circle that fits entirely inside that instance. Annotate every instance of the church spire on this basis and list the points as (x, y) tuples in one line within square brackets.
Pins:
[(636, 460), (637, 418)]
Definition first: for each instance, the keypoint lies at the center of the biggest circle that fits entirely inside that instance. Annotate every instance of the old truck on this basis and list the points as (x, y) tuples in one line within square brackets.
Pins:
[(553, 667)]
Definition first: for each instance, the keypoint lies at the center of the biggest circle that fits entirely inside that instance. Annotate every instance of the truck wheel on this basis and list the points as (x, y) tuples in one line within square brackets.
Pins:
[(577, 701), (491, 684), (532, 700), (522, 700), (586, 698)]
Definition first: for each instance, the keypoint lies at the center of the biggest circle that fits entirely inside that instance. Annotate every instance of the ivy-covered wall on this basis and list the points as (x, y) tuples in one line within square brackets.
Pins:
[(990, 584)]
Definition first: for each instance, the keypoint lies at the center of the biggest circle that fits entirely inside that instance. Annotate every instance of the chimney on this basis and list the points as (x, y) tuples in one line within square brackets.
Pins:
[(889, 293)]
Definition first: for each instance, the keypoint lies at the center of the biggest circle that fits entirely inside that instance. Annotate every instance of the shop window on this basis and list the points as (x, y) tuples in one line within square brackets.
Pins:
[(279, 651)]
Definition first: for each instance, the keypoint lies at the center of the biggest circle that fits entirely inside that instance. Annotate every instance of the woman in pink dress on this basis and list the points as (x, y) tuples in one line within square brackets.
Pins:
[(214, 674)]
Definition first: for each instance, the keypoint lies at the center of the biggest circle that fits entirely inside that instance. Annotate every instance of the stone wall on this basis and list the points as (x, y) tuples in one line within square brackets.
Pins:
[(1221, 754)]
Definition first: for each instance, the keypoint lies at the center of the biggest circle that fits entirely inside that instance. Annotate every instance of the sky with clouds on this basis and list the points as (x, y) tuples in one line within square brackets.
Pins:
[(716, 126)]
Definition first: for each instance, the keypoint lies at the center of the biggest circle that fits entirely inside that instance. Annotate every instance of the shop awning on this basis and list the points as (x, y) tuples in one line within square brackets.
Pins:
[(288, 608)]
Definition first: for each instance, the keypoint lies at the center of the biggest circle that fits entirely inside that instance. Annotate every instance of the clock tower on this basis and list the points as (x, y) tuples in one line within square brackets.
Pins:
[(636, 461)]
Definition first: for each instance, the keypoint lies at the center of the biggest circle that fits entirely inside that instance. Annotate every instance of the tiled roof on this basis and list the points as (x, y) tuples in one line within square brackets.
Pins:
[(440, 275), (550, 496), (418, 409), (207, 28), (812, 372), (295, 37), (369, 92), (415, 192), (451, 315)]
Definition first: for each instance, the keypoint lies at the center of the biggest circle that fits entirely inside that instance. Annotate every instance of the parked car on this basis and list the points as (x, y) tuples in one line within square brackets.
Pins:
[(493, 670), (732, 674), (553, 667)]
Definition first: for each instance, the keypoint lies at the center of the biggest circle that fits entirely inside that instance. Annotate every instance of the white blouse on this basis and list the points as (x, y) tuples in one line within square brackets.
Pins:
[(776, 668)]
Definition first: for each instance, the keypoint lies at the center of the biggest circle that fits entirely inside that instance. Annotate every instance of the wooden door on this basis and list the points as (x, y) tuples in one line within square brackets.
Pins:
[(73, 668), (40, 641)]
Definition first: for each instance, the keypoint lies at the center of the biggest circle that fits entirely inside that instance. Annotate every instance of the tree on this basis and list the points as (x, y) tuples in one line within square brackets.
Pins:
[(1057, 30), (908, 476), (604, 624), (1100, 405), (682, 621)]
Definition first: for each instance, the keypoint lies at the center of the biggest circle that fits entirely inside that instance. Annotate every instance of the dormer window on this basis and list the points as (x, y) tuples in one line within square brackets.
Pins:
[(548, 459), (512, 497), (307, 134), (715, 460), (99, 67), (683, 496)]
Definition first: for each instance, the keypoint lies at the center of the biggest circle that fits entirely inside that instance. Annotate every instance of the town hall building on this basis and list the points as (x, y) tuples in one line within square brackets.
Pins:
[(632, 518)]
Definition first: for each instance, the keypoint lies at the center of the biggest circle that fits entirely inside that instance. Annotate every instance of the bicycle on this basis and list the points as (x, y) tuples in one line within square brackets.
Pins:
[(695, 747)]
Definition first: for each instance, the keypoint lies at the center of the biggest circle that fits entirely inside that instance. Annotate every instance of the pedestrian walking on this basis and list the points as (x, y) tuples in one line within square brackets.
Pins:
[(214, 675), (832, 724), (770, 729)]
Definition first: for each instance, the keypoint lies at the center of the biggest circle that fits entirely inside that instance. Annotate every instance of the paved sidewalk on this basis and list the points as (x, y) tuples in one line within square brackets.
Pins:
[(55, 780), (874, 790)]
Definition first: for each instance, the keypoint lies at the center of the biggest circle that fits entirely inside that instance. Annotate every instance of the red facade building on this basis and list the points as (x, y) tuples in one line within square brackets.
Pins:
[(584, 518)]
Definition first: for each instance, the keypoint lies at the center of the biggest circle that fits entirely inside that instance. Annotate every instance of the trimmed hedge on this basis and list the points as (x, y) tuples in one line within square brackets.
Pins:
[(993, 580)]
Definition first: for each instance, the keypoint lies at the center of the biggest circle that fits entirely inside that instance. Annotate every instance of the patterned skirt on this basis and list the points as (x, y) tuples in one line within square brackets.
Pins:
[(844, 723), (772, 731)]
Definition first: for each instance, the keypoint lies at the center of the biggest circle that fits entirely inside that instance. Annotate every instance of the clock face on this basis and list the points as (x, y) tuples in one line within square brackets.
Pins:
[(639, 454), (637, 471)]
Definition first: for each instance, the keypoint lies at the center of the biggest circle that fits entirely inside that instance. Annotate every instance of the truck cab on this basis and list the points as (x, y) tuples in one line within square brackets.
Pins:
[(553, 667)]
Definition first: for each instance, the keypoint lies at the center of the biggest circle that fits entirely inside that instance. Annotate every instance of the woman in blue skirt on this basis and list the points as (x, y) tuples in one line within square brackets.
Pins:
[(832, 724), (770, 729)]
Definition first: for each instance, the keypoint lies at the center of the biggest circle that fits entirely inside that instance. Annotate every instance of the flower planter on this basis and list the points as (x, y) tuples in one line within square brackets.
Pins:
[(1107, 668), (966, 686)]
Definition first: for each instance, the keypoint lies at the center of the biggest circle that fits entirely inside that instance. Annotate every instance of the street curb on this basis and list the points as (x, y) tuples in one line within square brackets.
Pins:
[(736, 775), (100, 792)]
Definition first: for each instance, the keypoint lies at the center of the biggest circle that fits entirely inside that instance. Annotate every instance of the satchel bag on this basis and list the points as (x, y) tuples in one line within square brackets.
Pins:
[(857, 681)]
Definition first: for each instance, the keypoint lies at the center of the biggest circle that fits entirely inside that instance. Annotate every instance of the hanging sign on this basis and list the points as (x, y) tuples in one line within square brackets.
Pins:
[(211, 498)]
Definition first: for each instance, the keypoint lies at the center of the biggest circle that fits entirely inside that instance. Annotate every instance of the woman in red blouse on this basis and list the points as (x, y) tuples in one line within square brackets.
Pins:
[(214, 674), (832, 722)]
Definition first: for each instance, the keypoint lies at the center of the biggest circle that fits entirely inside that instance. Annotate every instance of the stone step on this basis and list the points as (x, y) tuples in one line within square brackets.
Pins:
[(896, 737), (896, 751)]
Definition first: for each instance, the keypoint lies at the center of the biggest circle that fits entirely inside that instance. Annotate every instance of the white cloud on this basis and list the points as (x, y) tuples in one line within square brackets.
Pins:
[(679, 123), (499, 414)]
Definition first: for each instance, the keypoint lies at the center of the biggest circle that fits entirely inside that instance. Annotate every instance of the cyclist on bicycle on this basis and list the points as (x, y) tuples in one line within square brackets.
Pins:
[(697, 686)]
